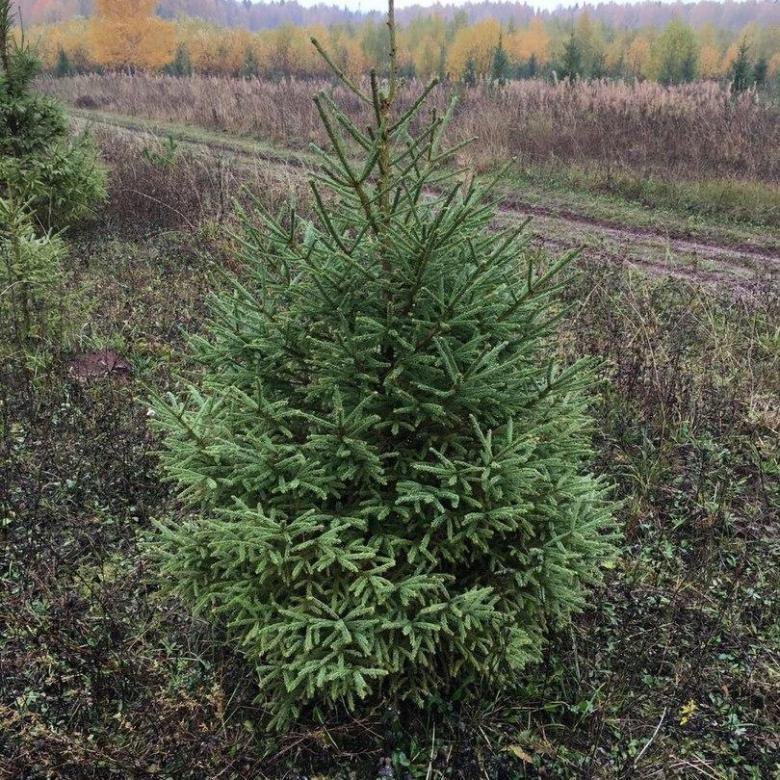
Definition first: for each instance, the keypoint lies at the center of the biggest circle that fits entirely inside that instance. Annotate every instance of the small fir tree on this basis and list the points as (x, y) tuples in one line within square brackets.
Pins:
[(385, 467), (598, 67), (760, 71), (31, 288), (741, 70), (571, 64), (532, 68), (470, 73), (181, 65), (62, 67), (251, 67), (59, 179), (499, 69)]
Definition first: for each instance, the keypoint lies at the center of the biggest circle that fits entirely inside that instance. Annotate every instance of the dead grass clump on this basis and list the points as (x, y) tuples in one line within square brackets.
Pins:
[(158, 183), (86, 101)]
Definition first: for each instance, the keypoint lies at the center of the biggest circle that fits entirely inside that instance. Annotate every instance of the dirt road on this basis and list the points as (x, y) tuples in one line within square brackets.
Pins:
[(742, 267)]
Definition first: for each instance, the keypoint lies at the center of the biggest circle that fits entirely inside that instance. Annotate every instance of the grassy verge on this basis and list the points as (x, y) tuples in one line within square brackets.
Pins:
[(750, 204)]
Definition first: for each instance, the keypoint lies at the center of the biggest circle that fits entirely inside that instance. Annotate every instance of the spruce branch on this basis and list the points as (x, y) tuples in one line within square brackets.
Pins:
[(339, 72)]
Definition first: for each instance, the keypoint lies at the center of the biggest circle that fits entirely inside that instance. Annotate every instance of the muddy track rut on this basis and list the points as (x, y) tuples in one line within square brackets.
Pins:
[(741, 267)]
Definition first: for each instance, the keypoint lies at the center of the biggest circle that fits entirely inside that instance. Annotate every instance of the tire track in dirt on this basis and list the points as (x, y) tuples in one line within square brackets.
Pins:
[(740, 285), (653, 253), (740, 266), (674, 237)]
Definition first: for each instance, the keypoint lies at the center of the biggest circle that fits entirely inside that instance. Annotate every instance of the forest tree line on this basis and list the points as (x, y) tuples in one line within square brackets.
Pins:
[(131, 35)]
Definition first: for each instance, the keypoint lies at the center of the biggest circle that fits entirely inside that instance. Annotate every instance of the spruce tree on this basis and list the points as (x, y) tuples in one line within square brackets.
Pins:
[(470, 73), (499, 70), (741, 70), (31, 288), (63, 67), (251, 67), (181, 65), (571, 64), (59, 179), (383, 469), (532, 69), (760, 70)]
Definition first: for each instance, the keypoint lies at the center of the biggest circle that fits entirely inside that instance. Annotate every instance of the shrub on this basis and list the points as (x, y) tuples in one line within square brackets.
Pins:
[(60, 180), (385, 467), (31, 293)]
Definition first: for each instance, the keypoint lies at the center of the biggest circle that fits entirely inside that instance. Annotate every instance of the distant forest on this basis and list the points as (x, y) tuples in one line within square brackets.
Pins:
[(730, 16)]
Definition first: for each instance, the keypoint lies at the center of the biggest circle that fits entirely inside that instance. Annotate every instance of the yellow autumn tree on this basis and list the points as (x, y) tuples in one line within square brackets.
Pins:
[(70, 37), (236, 46), (427, 56), (347, 52), (307, 58), (196, 36), (281, 50), (214, 50), (710, 53), (710, 62), (773, 67), (731, 54), (590, 39), (422, 46), (766, 40), (532, 41), (638, 57), (126, 33), (615, 54), (476, 43)]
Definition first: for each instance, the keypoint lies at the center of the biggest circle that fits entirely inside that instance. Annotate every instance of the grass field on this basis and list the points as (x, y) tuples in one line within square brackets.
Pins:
[(691, 148), (673, 673)]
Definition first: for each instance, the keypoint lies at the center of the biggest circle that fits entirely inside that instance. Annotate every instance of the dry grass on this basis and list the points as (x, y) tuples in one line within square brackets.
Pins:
[(695, 132), (156, 184)]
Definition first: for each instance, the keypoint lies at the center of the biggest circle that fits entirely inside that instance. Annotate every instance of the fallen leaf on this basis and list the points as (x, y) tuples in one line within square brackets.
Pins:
[(518, 752)]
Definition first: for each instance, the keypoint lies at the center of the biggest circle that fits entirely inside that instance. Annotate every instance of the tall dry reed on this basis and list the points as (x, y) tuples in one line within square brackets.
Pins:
[(696, 131)]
